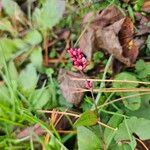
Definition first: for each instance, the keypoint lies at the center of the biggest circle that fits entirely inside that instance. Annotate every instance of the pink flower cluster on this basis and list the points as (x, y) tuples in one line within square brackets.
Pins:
[(78, 58)]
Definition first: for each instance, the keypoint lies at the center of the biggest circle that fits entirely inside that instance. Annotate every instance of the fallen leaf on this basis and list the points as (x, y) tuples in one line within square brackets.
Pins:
[(146, 6), (129, 46), (107, 39), (142, 27), (112, 32), (67, 86), (100, 20)]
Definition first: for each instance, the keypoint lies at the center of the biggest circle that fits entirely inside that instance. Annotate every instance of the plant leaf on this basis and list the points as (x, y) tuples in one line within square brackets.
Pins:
[(138, 126), (33, 37), (7, 48), (12, 9), (125, 76), (114, 121), (88, 118), (28, 79), (87, 140), (36, 57), (49, 14), (40, 98), (132, 103)]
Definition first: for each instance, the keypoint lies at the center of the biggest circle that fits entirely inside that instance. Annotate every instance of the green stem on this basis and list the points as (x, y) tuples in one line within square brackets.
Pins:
[(102, 85)]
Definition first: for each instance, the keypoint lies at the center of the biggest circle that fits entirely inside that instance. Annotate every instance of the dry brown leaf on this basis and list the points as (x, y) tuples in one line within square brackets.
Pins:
[(146, 6), (68, 86), (100, 20), (129, 46), (112, 32), (107, 39), (143, 27)]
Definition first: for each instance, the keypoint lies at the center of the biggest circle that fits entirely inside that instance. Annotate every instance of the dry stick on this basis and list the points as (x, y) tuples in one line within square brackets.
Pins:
[(146, 148), (108, 90), (46, 49), (123, 98), (110, 80), (77, 116), (67, 131)]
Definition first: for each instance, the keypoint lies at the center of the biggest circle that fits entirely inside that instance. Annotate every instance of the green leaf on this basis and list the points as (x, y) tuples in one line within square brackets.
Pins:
[(144, 111), (40, 98), (28, 79), (142, 70), (132, 103), (114, 121), (49, 14), (138, 126), (7, 48), (33, 37), (125, 76), (13, 74), (12, 9), (138, 5), (88, 118), (36, 57), (87, 140), (97, 57)]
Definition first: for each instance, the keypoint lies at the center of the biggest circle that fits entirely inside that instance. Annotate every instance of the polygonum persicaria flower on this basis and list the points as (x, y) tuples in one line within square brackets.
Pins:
[(78, 58), (88, 84)]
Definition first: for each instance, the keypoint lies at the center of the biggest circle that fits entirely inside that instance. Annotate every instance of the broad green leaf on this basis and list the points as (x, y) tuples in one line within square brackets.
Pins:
[(114, 122), (138, 126), (125, 76), (142, 70), (33, 37), (36, 57), (12, 9), (40, 98), (87, 140), (49, 14), (28, 79), (144, 111), (132, 103), (88, 118)]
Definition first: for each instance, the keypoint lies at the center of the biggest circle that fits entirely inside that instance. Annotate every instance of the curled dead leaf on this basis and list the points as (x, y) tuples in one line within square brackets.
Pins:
[(67, 86), (112, 32)]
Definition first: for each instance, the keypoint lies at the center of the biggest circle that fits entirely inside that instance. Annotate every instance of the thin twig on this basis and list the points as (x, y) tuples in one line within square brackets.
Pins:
[(109, 90), (110, 80), (122, 98), (140, 141), (75, 115)]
